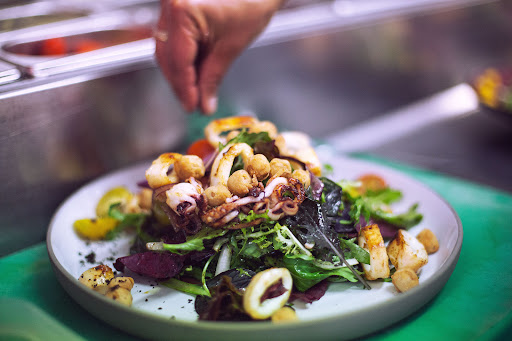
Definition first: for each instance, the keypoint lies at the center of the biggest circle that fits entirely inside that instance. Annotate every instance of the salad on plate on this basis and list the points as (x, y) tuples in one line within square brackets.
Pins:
[(246, 222)]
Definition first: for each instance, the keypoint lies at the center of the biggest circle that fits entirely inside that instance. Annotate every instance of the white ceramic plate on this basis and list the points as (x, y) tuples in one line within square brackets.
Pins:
[(346, 311)]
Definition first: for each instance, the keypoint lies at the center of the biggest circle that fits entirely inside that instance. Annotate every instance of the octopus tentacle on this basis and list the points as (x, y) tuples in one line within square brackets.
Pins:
[(214, 216)]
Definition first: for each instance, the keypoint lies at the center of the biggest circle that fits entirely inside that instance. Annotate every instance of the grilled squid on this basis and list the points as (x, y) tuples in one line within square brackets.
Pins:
[(175, 179), (216, 128), (221, 168), (371, 240), (183, 197), (254, 301), (277, 200), (405, 251), (156, 174), (298, 145), (271, 186), (221, 215)]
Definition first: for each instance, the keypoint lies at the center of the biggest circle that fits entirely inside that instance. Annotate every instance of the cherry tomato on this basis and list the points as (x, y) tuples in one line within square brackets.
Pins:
[(201, 148), (371, 182), (54, 46)]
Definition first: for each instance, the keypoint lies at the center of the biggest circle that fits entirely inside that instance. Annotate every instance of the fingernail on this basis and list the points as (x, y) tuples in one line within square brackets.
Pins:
[(212, 105)]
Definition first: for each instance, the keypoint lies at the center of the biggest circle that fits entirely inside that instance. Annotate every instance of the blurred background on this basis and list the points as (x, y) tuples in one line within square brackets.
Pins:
[(425, 82)]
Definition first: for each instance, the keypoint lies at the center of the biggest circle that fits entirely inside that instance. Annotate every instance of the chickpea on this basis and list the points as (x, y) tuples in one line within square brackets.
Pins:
[(189, 166), (101, 279), (97, 278), (258, 166), (145, 198), (122, 282), (119, 290), (239, 183), (302, 176), (429, 240), (140, 202), (405, 279), (280, 167), (121, 295), (217, 195)]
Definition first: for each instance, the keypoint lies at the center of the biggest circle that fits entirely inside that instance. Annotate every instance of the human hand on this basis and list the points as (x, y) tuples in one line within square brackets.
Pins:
[(197, 40)]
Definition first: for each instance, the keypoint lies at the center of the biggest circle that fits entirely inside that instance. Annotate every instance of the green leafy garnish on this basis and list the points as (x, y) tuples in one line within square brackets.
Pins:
[(352, 250), (195, 242), (306, 273), (126, 220), (250, 138), (189, 288), (376, 205), (260, 142), (328, 169)]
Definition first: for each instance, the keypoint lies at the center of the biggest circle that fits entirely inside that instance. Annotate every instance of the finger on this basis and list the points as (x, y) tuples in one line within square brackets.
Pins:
[(211, 72), (161, 37), (178, 63)]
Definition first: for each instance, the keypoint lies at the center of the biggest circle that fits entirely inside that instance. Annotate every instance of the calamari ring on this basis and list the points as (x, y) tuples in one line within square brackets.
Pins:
[(253, 302), (215, 128), (298, 145), (223, 163)]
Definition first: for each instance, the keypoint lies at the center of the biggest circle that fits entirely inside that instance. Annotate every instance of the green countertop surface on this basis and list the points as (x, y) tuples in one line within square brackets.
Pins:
[(475, 304)]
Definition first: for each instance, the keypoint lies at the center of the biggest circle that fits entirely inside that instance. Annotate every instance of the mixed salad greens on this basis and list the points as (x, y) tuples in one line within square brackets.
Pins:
[(318, 244)]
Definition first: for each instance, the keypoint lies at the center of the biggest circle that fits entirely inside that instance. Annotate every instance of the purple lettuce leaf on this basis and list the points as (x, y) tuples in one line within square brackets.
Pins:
[(314, 293)]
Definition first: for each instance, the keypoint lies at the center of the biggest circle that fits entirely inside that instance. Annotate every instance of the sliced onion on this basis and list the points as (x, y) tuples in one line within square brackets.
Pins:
[(224, 262)]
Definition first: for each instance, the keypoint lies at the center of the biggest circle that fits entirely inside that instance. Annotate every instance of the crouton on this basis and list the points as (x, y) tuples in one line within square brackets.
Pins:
[(429, 241), (405, 279)]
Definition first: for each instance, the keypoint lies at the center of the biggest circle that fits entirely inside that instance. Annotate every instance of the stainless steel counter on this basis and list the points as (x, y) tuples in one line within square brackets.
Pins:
[(448, 132), (477, 147), (337, 84), (321, 67)]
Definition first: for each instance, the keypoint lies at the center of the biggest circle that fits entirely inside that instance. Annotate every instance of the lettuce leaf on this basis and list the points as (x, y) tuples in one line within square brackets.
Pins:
[(152, 264), (195, 242), (188, 288), (352, 250), (126, 220), (250, 138), (306, 273), (375, 205), (260, 142), (312, 226), (267, 237)]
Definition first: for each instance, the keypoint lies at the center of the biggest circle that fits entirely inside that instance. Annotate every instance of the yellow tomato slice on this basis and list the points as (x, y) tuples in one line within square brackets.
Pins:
[(95, 229), (116, 195)]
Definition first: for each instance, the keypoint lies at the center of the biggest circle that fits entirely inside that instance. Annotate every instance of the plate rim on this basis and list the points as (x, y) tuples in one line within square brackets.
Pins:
[(430, 288)]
